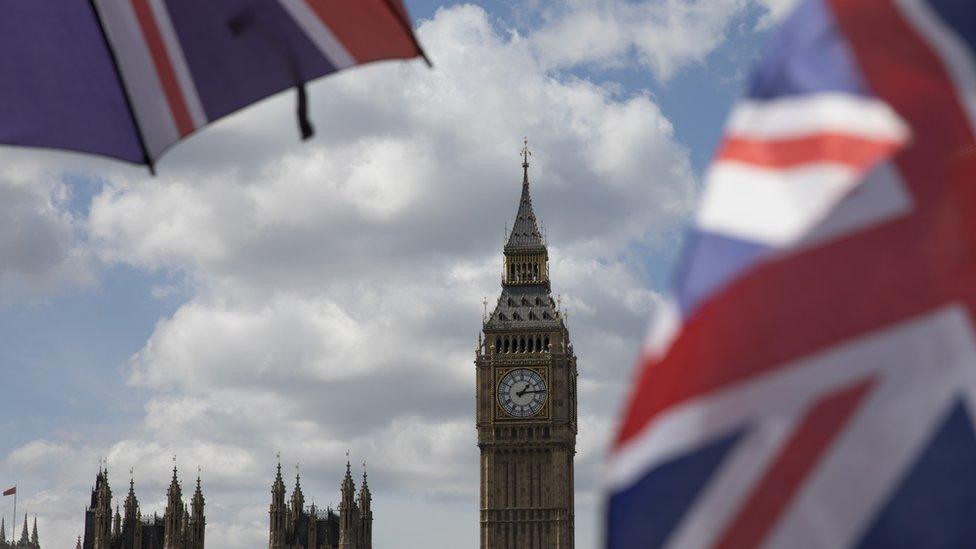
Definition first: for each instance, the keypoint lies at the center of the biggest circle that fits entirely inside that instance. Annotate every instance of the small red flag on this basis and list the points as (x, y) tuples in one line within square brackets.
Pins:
[(10, 491)]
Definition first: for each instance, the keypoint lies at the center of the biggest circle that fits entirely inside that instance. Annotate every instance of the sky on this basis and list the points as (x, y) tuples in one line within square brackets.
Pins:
[(264, 295)]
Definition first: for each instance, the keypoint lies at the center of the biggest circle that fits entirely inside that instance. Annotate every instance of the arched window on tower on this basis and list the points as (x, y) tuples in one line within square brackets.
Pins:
[(506, 345), (498, 344)]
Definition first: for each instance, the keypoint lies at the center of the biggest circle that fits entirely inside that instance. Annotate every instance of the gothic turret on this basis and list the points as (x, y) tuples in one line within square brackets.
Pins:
[(34, 541), (131, 504), (117, 524), (278, 512), (365, 513), (173, 517), (198, 522), (103, 511), (3, 531), (297, 504), (24, 536), (348, 513)]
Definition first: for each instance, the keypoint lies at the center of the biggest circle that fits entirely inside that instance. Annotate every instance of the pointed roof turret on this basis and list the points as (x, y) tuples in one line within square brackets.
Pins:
[(365, 497), (348, 485), (131, 502), (34, 541), (525, 231), (198, 495), (297, 497), (24, 536), (3, 531), (279, 483)]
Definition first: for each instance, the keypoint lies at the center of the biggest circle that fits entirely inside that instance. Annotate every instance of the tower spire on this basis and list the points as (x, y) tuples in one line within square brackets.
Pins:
[(525, 232)]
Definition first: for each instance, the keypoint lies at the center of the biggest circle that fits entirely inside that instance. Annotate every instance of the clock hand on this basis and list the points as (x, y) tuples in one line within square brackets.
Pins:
[(523, 391), (530, 392)]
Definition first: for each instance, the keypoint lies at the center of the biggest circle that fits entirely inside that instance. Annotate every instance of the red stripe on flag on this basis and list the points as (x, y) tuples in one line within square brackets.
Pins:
[(773, 493), (851, 150), (368, 29), (905, 72), (164, 67), (803, 303), (10, 491)]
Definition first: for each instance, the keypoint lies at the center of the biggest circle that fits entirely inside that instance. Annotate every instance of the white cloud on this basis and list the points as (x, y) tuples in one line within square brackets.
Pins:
[(40, 248), (663, 34)]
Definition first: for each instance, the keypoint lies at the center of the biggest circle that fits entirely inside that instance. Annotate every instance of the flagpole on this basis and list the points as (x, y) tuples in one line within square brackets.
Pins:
[(13, 528)]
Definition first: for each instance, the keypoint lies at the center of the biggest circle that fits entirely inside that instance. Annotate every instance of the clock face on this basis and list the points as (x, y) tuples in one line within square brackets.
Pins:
[(522, 392)]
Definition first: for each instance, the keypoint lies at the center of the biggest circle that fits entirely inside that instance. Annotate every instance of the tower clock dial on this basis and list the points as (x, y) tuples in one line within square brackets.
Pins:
[(522, 392)]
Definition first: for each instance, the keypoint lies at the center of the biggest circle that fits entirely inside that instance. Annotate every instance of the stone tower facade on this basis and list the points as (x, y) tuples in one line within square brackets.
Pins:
[(526, 401), (295, 526), (180, 527)]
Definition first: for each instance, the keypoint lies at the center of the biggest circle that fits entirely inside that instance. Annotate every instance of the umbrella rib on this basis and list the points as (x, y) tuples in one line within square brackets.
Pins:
[(125, 90)]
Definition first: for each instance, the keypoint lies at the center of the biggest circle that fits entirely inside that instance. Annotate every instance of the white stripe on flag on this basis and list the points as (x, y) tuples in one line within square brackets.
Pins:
[(775, 207), (178, 60), (922, 377), (799, 116), (689, 425), (319, 33), (139, 74), (721, 499)]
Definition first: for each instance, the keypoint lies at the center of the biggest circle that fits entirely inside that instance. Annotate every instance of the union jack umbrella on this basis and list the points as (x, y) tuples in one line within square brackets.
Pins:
[(130, 78), (813, 380)]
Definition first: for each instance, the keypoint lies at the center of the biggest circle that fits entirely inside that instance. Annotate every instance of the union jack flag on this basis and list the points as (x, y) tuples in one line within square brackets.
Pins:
[(812, 380), (129, 78)]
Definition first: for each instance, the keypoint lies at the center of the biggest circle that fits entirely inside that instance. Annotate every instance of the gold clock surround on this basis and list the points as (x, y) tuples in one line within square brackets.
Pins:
[(543, 413)]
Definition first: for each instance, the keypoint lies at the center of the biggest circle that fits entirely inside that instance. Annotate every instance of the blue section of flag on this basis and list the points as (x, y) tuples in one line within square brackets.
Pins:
[(807, 54), (934, 507), (645, 514), (239, 55), (76, 101), (710, 261), (960, 16)]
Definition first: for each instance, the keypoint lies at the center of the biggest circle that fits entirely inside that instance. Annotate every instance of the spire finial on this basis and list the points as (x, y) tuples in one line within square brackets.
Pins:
[(525, 161)]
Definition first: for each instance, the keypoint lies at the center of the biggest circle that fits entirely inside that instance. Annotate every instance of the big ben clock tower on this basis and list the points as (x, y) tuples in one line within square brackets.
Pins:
[(526, 400)]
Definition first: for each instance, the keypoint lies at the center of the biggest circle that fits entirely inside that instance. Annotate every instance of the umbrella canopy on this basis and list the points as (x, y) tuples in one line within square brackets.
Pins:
[(130, 78)]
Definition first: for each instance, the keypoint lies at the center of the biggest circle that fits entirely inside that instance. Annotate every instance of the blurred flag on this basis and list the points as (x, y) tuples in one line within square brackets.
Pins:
[(812, 381), (10, 491), (129, 78)]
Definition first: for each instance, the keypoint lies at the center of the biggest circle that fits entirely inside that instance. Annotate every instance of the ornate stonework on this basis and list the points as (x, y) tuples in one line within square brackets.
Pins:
[(180, 527), (526, 401), (295, 526)]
